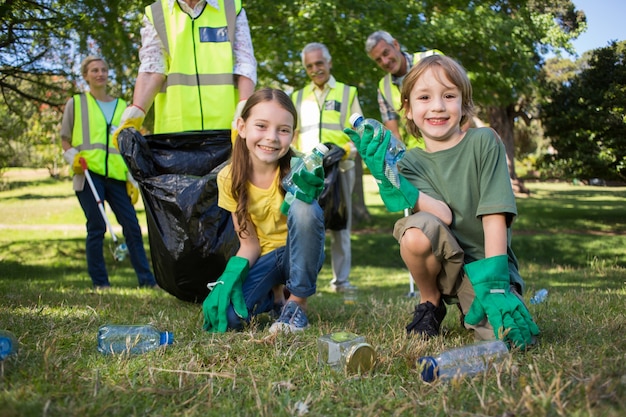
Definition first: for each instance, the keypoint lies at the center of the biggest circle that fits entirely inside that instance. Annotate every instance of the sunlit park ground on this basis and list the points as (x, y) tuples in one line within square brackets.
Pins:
[(569, 239)]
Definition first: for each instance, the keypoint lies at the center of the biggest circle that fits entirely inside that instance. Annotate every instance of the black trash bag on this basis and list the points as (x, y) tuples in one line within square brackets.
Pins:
[(191, 238), (335, 213)]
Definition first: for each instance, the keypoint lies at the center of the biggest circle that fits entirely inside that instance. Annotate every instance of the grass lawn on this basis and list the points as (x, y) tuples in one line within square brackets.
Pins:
[(569, 239)]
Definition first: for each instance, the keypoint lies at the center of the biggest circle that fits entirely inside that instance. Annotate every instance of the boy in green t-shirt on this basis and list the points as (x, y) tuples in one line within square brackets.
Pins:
[(456, 242)]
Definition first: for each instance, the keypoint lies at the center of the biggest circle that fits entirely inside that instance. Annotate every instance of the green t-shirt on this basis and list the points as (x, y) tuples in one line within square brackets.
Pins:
[(473, 179)]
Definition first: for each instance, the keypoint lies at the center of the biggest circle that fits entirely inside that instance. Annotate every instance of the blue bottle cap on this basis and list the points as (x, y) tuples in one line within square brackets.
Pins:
[(6, 347), (167, 338), (429, 368), (354, 119)]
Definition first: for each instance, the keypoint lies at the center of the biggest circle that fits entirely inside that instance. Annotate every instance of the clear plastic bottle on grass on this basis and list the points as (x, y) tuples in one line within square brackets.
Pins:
[(462, 361), (134, 339), (395, 150)]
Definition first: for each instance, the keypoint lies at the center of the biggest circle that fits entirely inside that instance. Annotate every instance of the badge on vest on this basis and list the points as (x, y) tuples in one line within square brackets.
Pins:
[(208, 34), (332, 105)]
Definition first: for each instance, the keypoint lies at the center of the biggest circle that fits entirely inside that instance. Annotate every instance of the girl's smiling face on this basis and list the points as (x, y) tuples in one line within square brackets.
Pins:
[(435, 106), (268, 132)]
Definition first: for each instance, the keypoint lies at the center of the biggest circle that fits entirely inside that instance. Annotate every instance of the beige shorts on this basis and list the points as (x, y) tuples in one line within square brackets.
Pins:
[(453, 284)]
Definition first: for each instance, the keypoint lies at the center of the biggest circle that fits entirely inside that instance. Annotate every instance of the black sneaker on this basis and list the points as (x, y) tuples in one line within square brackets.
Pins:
[(427, 319)]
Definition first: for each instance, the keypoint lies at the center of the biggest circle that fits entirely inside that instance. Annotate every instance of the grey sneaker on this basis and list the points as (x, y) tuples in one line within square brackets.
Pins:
[(342, 287), (292, 319)]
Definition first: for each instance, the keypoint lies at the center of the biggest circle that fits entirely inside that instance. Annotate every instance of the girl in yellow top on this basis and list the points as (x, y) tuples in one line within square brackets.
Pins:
[(275, 249)]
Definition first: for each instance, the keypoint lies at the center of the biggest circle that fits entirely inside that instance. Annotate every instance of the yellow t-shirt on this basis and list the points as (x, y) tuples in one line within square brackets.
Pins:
[(264, 209)]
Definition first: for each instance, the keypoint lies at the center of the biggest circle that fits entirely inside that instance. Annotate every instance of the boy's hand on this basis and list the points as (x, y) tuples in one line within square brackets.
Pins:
[(506, 313), (373, 149)]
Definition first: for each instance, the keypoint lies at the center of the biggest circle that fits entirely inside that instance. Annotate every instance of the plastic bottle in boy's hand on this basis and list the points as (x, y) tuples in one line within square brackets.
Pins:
[(131, 338), (395, 150)]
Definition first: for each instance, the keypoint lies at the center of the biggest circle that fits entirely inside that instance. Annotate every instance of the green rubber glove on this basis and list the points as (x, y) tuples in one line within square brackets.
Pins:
[(227, 291), (310, 184), (494, 300), (373, 149)]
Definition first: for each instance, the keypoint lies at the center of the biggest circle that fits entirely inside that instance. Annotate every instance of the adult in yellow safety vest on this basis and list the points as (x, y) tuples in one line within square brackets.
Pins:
[(387, 53), (197, 66), (324, 107), (88, 122)]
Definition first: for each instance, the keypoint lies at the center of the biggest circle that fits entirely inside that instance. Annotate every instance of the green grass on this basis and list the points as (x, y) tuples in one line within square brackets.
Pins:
[(569, 239)]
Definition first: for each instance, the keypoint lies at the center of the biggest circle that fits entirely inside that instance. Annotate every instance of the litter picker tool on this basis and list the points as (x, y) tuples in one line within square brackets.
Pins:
[(411, 294), (121, 250)]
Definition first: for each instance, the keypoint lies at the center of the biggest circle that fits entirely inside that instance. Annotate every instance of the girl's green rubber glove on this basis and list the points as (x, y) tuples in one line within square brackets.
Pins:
[(226, 291), (506, 313), (310, 186)]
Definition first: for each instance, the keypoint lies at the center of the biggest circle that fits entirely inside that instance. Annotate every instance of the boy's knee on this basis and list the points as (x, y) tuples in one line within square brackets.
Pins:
[(416, 242)]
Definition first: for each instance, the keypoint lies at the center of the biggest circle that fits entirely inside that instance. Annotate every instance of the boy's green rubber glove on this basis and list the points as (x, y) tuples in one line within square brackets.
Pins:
[(226, 291), (494, 300), (373, 151), (310, 184)]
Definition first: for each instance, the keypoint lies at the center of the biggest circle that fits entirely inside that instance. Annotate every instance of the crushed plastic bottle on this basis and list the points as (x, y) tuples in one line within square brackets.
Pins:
[(309, 162), (539, 297), (395, 149)]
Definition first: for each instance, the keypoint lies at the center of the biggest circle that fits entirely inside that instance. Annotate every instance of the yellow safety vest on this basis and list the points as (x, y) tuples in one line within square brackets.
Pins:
[(199, 92), (92, 136), (324, 124), (391, 93)]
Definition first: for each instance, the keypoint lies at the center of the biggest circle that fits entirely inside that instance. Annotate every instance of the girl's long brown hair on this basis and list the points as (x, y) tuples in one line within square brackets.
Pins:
[(241, 167)]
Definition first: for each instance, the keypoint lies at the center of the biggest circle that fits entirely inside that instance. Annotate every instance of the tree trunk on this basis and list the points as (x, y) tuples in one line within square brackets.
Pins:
[(502, 121), (359, 209)]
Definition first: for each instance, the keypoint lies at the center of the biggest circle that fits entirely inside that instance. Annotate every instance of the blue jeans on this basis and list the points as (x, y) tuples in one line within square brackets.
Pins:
[(114, 192), (296, 264)]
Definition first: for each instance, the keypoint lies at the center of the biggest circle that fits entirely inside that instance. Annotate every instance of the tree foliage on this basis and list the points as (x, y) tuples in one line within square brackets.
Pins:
[(584, 114), (499, 42)]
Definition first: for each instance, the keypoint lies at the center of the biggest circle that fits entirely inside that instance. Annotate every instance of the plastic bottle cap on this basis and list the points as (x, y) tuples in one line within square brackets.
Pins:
[(355, 118), (429, 368), (322, 148), (167, 338)]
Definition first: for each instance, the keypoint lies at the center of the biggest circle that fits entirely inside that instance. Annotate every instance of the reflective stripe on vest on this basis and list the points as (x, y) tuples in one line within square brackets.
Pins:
[(92, 137), (325, 124), (199, 92)]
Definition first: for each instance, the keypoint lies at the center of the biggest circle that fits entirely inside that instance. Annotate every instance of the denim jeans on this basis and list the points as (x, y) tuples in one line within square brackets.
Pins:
[(296, 264), (114, 192)]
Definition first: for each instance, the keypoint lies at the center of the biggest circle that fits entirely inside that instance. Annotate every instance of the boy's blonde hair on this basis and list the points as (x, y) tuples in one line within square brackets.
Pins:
[(89, 60), (453, 71)]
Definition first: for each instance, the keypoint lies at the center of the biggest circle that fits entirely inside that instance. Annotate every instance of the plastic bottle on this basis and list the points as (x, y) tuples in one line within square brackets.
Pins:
[(465, 360), (131, 338), (309, 162), (539, 297), (8, 344), (395, 150)]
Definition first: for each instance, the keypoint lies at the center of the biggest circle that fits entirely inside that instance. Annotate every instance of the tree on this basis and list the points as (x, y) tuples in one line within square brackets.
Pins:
[(584, 115), (499, 42), (41, 46)]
